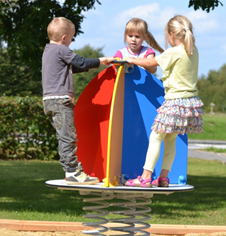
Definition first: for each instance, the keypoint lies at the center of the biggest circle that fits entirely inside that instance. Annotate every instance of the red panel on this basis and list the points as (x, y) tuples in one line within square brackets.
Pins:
[(92, 112)]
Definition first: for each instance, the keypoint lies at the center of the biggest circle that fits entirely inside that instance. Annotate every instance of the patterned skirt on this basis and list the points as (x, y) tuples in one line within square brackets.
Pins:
[(180, 115)]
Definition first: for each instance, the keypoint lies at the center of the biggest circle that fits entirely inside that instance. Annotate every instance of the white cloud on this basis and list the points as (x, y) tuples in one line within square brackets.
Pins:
[(151, 13), (142, 11), (203, 22), (157, 17)]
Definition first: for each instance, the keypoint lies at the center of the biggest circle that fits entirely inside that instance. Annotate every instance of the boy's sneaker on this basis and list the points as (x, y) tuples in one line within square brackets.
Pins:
[(80, 178)]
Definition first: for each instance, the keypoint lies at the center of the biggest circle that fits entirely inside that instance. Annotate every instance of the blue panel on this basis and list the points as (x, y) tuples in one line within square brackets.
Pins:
[(144, 94)]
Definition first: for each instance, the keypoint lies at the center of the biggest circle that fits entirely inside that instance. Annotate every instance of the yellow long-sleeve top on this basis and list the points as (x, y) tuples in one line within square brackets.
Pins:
[(180, 72)]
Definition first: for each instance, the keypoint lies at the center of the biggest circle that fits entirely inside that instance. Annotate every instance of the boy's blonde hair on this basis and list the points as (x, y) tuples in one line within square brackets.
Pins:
[(183, 30), (58, 27), (140, 27)]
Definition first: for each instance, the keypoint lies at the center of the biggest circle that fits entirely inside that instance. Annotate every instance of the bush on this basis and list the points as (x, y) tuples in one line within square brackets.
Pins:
[(26, 132)]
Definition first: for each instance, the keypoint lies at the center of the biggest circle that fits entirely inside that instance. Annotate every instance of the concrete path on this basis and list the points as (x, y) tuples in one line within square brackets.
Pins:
[(195, 145)]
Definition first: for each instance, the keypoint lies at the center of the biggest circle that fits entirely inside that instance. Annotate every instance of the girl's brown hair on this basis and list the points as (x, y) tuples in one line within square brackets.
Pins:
[(182, 28), (141, 27)]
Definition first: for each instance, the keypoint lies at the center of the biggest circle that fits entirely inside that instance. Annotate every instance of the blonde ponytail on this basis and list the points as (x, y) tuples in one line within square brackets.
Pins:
[(189, 42), (182, 28), (152, 42)]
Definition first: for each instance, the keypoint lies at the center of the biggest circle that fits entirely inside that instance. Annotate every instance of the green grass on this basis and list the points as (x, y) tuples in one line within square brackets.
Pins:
[(214, 128), (213, 149), (24, 196), (205, 205)]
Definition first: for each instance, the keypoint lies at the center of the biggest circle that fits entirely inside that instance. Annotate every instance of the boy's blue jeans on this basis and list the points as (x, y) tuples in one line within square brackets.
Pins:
[(61, 115)]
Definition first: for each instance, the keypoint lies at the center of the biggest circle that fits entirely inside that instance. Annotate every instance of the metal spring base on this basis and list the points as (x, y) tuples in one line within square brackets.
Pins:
[(102, 204), (133, 212)]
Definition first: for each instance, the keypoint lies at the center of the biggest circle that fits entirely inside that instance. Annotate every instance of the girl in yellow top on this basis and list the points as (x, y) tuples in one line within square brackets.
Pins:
[(181, 112)]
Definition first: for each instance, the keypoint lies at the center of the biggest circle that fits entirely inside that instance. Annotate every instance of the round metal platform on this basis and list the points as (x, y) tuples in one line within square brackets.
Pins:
[(61, 184)]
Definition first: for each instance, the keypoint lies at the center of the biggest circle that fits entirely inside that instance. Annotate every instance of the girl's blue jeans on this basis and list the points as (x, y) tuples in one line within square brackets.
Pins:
[(61, 115)]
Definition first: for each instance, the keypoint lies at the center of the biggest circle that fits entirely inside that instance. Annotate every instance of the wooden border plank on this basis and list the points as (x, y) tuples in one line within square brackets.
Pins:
[(22, 225)]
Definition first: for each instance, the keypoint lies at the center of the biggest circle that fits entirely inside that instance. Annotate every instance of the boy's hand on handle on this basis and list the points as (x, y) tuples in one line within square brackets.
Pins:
[(106, 60)]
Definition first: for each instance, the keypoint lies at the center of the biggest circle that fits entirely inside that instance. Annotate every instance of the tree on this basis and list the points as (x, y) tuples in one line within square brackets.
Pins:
[(23, 25), (213, 89), (16, 77), (82, 79), (205, 5)]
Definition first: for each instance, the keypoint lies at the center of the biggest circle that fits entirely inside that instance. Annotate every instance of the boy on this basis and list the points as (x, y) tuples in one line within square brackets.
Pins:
[(58, 64)]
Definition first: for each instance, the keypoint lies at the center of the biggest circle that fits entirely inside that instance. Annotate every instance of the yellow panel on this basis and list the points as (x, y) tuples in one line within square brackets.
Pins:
[(115, 131)]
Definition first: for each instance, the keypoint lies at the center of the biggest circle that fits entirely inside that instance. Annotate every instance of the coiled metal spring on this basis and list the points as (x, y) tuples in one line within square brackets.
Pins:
[(133, 212), (101, 208), (133, 222)]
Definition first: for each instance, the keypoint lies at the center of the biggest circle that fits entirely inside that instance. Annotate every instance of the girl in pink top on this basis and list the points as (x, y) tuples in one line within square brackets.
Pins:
[(136, 32)]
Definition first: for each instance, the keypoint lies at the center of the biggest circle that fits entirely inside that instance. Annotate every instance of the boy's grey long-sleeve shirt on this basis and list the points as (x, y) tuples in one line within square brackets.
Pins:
[(57, 61)]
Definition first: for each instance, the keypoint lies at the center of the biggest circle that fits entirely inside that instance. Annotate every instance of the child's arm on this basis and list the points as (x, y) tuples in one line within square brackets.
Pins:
[(148, 62), (106, 60), (81, 64), (151, 69)]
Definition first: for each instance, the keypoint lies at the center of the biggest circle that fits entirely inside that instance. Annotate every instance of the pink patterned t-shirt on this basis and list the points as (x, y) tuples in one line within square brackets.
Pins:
[(125, 53)]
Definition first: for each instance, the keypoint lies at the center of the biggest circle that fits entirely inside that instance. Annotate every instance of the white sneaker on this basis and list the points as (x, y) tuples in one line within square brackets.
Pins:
[(80, 178)]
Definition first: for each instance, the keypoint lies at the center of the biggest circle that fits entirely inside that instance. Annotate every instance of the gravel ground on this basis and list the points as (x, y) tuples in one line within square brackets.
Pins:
[(6, 232)]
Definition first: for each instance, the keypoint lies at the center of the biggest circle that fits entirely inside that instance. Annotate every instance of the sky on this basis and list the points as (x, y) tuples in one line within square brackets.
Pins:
[(104, 27)]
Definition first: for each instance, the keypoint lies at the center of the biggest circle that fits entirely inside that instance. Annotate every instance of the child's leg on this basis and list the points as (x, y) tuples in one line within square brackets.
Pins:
[(153, 153), (152, 156), (61, 115), (169, 153), (68, 138), (168, 158)]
